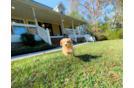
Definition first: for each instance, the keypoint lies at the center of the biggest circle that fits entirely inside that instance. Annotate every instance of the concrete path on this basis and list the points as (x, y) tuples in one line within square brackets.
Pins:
[(40, 52)]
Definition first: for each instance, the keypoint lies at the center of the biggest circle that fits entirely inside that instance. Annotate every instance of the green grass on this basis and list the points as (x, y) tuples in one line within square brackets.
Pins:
[(54, 70)]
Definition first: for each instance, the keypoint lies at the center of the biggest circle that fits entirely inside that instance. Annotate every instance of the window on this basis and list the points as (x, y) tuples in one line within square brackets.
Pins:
[(19, 30), (61, 12), (17, 21), (31, 22), (32, 30)]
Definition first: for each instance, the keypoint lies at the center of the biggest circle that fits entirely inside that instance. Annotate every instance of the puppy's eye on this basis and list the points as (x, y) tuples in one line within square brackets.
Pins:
[(67, 41)]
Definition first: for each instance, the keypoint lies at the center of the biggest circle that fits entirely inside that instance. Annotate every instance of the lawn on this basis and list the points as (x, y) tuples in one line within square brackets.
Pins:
[(96, 65)]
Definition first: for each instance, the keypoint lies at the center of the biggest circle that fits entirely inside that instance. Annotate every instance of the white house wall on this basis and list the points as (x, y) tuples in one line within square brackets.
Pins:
[(61, 8)]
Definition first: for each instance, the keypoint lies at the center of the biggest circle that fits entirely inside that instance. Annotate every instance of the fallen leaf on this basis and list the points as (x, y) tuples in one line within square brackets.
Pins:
[(66, 79), (113, 75), (56, 75), (112, 64), (34, 74), (60, 63), (102, 63), (100, 53), (84, 79), (78, 61), (31, 84), (37, 60), (11, 64), (69, 76)]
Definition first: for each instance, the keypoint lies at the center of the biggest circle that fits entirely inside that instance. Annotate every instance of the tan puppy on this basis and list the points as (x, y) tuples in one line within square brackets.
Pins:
[(67, 48)]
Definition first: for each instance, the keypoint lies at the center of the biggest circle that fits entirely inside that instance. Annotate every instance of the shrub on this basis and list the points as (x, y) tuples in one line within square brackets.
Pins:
[(103, 37), (100, 37), (27, 39), (43, 45), (116, 34)]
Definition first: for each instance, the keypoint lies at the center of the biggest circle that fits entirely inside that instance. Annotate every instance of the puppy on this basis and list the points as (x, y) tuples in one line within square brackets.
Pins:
[(67, 47)]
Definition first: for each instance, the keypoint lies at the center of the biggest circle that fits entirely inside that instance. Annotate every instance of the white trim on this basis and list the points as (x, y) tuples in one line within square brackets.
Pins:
[(72, 25), (59, 5), (79, 36), (75, 36), (62, 25), (56, 36), (36, 23), (42, 29), (48, 36), (25, 25)]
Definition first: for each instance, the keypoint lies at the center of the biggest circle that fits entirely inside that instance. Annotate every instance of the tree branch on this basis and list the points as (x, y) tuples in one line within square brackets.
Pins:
[(85, 7)]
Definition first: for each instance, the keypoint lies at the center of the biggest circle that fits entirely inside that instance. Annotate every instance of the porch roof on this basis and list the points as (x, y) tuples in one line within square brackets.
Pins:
[(23, 9)]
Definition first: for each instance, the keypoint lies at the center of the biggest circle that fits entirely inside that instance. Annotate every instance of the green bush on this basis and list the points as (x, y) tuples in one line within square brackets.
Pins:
[(113, 35), (116, 34), (109, 34), (27, 39), (100, 37), (41, 45)]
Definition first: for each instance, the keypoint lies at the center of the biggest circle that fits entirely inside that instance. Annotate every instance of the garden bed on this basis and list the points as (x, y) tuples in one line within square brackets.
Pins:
[(30, 51)]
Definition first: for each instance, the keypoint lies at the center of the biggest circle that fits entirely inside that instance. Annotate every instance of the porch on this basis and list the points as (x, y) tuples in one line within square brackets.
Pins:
[(43, 23), (44, 34)]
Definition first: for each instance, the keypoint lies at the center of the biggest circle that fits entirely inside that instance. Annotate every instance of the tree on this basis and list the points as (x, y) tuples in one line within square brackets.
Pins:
[(89, 7)]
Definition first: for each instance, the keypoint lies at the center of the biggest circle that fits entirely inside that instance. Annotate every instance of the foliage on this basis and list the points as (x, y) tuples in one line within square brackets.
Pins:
[(109, 34), (39, 45), (27, 39), (116, 34), (76, 15), (102, 16), (93, 67), (100, 36)]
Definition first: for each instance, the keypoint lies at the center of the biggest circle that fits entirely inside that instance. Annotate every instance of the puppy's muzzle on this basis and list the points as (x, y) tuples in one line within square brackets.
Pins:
[(65, 44)]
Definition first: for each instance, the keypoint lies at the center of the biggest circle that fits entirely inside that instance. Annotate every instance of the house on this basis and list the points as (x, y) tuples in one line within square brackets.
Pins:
[(46, 23)]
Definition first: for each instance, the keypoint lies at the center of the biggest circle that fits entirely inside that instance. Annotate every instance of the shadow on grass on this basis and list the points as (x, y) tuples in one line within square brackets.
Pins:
[(87, 57)]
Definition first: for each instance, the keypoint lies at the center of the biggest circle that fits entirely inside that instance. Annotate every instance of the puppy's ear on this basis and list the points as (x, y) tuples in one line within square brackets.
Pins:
[(60, 42), (71, 41)]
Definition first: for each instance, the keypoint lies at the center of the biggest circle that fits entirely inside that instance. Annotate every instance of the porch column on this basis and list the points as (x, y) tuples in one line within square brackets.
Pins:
[(72, 25), (62, 25), (34, 17), (79, 29)]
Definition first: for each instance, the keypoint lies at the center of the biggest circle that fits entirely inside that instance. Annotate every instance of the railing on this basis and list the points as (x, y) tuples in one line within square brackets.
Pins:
[(80, 32), (25, 25), (71, 34), (44, 34)]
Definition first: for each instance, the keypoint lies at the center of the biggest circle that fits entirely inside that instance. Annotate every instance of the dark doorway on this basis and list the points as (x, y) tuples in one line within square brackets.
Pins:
[(39, 23), (46, 25)]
